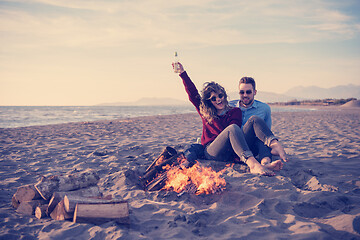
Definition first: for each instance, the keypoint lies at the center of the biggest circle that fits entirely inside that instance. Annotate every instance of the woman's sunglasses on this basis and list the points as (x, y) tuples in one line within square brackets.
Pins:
[(213, 99), (247, 92)]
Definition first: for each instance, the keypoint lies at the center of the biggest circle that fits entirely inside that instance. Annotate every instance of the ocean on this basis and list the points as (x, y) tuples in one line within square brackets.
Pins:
[(22, 116)]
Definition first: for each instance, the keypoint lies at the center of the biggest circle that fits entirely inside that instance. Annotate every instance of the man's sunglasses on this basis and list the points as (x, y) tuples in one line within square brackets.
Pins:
[(247, 92), (213, 99)]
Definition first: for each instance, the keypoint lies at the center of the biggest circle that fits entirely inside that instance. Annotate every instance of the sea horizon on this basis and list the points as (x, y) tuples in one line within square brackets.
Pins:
[(25, 116)]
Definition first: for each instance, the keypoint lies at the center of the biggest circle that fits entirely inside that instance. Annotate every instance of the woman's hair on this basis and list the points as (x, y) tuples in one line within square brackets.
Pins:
[(207, 109)]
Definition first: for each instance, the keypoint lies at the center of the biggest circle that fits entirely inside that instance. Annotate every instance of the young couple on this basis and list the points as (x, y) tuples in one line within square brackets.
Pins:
[(228, 134)]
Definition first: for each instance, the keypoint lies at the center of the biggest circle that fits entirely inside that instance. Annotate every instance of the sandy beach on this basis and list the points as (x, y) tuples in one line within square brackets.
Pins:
[(315, 196)]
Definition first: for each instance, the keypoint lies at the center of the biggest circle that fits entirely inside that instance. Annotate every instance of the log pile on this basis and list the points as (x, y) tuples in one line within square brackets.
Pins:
[(75, 197)]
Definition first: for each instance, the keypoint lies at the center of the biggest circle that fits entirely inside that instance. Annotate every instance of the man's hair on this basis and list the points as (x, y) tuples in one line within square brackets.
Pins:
[(248, 80)]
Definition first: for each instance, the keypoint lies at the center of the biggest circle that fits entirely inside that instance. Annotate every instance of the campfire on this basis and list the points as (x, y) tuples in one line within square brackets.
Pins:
[(196, 179), (172, 172)]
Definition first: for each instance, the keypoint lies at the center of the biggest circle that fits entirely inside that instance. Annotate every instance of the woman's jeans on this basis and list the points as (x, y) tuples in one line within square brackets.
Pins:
[(234, 140)]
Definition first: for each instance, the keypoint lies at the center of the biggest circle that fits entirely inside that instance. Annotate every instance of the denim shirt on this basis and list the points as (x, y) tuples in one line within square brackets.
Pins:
[(258, 108)]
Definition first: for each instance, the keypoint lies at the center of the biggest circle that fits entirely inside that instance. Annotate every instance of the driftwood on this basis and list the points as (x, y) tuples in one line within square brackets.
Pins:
[(40, 211), (101, 213), (26, 193), (59, 183), (70, 201), (92, 191), (28, 208), (59, 212)]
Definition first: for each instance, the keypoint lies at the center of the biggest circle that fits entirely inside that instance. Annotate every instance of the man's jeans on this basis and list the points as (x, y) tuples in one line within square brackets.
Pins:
[(254, 139)]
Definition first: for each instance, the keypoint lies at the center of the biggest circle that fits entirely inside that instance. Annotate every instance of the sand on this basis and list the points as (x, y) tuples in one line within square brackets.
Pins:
[(352, 104), (315, 196)]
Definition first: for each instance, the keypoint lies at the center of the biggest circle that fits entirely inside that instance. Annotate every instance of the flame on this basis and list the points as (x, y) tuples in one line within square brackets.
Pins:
[(197, 179)]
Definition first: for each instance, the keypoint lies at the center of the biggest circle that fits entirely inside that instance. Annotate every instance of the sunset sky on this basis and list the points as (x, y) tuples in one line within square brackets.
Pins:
[(77, 52)]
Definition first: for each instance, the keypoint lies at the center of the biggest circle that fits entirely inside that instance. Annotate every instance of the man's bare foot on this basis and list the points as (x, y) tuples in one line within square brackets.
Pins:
[(274, 166), (257, 168), (265, 160), (277, 149)]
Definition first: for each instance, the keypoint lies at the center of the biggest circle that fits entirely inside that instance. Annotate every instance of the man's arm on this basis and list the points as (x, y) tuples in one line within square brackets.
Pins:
[(268, 116)]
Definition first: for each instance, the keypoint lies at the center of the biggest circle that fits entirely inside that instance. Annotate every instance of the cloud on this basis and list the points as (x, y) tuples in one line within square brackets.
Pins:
[(160, 23)]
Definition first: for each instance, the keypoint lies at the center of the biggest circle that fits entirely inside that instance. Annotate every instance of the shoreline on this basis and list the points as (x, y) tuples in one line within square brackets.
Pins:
[(316, 195), (275, 108), (33, 116)]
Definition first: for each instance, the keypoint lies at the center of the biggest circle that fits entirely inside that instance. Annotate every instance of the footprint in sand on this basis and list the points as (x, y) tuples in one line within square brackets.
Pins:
[(309, 210), (356, 224)]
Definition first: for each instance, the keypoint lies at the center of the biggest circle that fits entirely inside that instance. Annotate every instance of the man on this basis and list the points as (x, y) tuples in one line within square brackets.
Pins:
[(251, 107)]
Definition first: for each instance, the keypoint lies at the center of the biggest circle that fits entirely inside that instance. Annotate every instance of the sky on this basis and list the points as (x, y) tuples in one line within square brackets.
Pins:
[(77, 52)]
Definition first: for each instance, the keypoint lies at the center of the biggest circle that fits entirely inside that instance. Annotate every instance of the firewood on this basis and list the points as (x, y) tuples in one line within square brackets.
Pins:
[(101, 213), (59, 212), (40, 211), (167, 153), (26, 193), (92, 191), (28, 208), (157, 183), (70, 201), (107, 197), (14, 202), (158, 169), (60, 183)]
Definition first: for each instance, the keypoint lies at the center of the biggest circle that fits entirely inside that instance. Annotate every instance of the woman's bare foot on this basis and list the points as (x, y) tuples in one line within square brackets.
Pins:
[(257, 168), (277, 149), (274, 166)]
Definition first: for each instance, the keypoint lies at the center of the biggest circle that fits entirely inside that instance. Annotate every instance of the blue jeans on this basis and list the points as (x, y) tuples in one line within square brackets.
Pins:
[(236, 141), (258, 137), (194, 151)]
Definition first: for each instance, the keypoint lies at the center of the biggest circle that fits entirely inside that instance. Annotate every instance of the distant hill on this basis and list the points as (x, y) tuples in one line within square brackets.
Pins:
[(351, 102), (314, 92), (297, 93), (267, 97), (302, 93), (149, 102)]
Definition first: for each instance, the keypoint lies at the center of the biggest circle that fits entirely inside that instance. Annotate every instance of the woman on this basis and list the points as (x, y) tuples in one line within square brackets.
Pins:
[(222, 136)]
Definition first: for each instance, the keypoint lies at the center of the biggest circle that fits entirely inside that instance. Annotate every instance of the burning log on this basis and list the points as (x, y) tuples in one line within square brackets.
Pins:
[(177, 174), (47, 186), (206, 180), (157, 183), (190, 188), (159, 168), (167, 153), (92, 191), (101, 213)]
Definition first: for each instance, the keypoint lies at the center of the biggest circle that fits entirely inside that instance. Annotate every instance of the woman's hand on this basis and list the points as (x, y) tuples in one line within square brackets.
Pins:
[(178, 67)]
